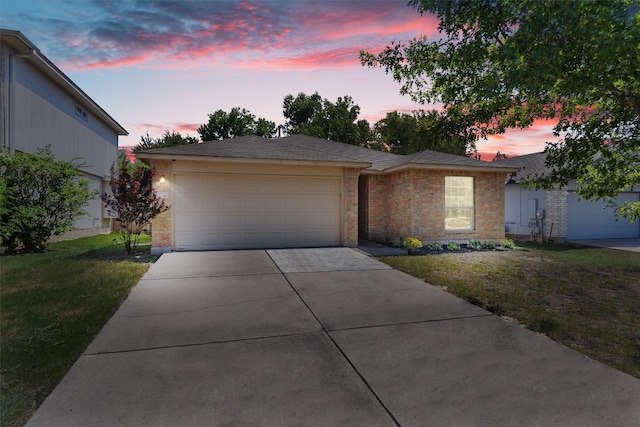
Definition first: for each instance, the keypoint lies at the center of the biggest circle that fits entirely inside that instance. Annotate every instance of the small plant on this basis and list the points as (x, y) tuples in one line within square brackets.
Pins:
[(475, 245), (508, 243), (453, 246), (396, 243), (435, 246), (490, 244), (412, 243)]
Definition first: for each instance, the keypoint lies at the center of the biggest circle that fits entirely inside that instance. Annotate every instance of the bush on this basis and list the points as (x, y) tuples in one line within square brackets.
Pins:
[(508, 243), (40, 197), (435, 246), (474, 245), (453, 246), (490, 244), (412, 243)]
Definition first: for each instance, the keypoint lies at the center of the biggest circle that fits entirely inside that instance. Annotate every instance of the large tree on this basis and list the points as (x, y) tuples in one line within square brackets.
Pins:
[(311, 115), (41, 197), (403, 133), (237, 122), (169, 139), (506, 63)]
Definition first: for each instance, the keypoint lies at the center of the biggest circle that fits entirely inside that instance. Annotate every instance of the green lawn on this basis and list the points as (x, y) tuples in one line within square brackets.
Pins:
[(52, 305), (586, 298)]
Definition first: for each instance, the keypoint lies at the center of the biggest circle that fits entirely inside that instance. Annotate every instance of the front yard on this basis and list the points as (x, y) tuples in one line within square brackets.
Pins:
[(585, 298), (52, 305)]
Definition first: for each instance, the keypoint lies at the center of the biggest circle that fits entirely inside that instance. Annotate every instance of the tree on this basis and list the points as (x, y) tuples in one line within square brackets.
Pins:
[(499, 156), (506, 63), (42, 198), (238, 122), (132, 199), (425, 130), (313, 116), (169, 139)]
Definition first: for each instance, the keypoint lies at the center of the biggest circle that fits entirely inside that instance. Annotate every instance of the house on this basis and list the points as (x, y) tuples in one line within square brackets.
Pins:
[(561, 215), (40, 105), (301, 191)]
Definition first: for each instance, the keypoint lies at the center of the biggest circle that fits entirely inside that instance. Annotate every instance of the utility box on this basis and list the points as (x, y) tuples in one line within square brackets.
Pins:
[(539, 213)]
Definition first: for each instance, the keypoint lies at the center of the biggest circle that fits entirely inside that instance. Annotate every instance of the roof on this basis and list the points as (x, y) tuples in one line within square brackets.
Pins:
[(28, 51), (529, 165), (303, 148)]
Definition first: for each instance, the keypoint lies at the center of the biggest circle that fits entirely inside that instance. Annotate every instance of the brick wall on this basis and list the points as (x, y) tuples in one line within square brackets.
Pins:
[(350, 207), (411, 203), (556, 214), (161, 239)]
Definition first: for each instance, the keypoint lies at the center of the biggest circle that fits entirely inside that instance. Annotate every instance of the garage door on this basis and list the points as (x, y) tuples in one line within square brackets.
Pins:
[(594, 220), (228, 211)]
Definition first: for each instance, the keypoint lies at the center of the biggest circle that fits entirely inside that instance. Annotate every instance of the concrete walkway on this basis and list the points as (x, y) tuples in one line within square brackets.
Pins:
[(632, 245), (323, 337)]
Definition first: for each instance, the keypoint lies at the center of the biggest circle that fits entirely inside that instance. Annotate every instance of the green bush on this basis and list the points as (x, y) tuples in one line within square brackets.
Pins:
[(435, 246), (453, 246), (41, 197), (489, 244), (508, 243), (475, 245)]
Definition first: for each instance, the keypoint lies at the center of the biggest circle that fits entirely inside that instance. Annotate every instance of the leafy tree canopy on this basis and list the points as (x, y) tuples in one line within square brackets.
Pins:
[(237, 122), (314, 116), (40, 197), (506, 63), (405, 133), (169, 139)]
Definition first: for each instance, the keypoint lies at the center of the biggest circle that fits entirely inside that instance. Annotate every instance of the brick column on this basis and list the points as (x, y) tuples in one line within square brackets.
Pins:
[(350, 207), (161, 238), (556, 206)]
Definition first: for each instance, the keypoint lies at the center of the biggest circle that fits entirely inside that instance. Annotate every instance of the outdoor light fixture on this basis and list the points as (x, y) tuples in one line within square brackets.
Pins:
[(162, 179)]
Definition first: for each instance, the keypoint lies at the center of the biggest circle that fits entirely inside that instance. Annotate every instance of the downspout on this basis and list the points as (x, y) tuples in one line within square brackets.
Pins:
[(10, 125)]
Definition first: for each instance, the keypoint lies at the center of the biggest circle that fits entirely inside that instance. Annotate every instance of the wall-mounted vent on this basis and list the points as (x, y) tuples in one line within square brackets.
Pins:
[(81, 112)]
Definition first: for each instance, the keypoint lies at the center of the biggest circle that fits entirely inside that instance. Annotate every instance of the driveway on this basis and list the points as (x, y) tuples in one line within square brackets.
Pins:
[(632, 245), (323, 337)]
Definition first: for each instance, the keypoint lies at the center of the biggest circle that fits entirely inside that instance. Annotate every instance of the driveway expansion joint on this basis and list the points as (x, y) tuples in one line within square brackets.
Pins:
[(411, 322)]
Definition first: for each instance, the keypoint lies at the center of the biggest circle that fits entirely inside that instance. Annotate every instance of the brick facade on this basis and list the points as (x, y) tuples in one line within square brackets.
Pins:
[(411, 203), (556, 211), (161, 225), (350, 207)]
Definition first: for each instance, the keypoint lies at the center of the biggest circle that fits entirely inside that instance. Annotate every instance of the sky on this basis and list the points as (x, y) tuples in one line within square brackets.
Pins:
[(165, 65)]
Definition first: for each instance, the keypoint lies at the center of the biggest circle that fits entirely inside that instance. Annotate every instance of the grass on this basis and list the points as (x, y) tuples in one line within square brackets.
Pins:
[(585, 298), (52, 305)]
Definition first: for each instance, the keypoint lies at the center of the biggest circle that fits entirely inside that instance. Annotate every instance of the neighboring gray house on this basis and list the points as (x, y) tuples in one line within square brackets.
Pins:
[(40, 105), (561, 215)]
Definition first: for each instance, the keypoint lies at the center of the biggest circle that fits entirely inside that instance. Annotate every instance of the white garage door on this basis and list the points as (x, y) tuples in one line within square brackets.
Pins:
[(594, 220), (225, 211)]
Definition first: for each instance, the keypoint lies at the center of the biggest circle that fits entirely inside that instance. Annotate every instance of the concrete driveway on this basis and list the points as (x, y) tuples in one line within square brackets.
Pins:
[(632, 245), (323, 337)]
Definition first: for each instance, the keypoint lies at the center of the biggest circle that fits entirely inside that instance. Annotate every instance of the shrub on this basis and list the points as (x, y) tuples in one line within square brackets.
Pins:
[(490, 244), (435, 246), (508, 243), (412, 243), (41, 197), (453, 246), (475, 245)]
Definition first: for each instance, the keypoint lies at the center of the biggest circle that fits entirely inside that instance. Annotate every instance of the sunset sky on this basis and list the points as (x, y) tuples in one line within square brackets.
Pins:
[(164, 65)]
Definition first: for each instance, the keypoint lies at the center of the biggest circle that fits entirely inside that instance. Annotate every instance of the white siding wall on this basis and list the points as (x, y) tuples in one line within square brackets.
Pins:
[(36, 112)]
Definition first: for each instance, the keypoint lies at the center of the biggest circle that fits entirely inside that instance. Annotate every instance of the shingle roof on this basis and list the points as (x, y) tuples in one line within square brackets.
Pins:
[(529, 164), (308, 148)]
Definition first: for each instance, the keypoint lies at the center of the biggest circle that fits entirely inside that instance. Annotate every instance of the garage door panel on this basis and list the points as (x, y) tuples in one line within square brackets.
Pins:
[(595, 220), (235, 211)]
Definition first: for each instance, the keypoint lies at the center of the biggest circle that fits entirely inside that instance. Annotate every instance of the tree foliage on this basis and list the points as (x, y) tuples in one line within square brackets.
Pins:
[(311, 115), (403, 133), (169, 139), (132, 199), (506, 63), (237, 122), (39, 197)]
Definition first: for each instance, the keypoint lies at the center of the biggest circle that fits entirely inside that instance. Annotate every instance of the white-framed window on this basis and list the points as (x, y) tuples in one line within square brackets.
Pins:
[(458, 203)]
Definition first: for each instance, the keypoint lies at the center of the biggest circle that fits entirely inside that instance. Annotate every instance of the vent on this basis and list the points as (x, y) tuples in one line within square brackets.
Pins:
[(81, 112)]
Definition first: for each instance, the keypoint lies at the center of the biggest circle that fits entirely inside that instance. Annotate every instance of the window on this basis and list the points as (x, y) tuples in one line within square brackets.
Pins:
[(458, 203)]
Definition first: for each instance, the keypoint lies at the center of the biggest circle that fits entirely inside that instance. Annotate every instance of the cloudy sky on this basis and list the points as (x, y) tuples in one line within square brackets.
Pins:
[(164, 65)]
